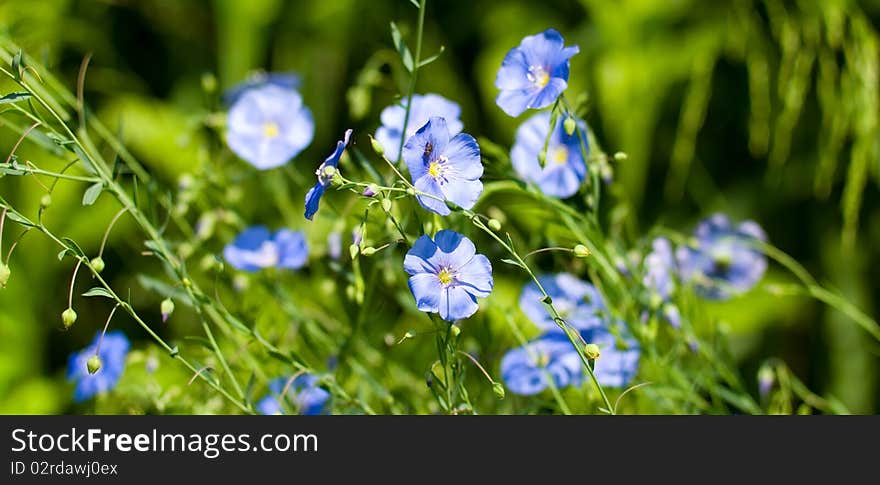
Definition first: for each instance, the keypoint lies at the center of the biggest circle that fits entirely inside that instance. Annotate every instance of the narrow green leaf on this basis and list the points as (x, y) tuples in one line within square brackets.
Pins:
[(511, 262), (16, 65), (91, 194), (401, 48), (432, 58), (62, 254), (73, 246), (98, 291), (13, 97), (84, 158), (415, 3), (16, 217)]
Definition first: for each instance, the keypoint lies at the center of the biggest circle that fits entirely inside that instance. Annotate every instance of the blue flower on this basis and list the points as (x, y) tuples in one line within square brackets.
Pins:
[(564, 166), (660, 269), (286, 80), (526, 370), (305, 396), (723, 261), (325, 176), (334, 245), (257, 248), (659, 279), (578, 302), (618, 360), (423, 108), (114, 348), (444, 168), (269, 125), (534, 74), (447, 276)]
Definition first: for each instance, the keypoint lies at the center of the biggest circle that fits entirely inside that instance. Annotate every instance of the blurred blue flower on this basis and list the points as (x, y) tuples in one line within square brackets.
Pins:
[(447, 276), (325, 176), (534, 74), (114, 348), (268, 125), (526, 370), (447, 169), (659, 279), (334, 245), (618, 361), (305, 396), (723, 261), (286, 80), (660, 269), (423, 108), (564, 166), (256, 248), (578, 302)]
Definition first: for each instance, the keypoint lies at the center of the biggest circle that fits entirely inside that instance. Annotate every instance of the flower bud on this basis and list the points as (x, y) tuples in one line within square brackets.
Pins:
[(4, 274), (495, 224), (68, 317), (620, 156), (353, 251), (209, 82), (167, 308), (498, 389), (368, 251), (371, 190), (377, 147), (592, 351), (386, 205), (410, 191), (328, 172), (45, 201), (455, 330), (570, 125), (582, 251), (765, 380), (97, 264), (93, 364), (542, 157)]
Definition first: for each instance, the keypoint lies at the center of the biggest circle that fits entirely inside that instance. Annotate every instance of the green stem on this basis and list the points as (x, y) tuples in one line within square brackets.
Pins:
[(412, 79)]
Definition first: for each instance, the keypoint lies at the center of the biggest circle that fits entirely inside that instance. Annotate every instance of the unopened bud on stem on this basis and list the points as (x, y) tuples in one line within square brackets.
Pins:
[(93, 364), (97, 264), (570, 125), (4, 274), (592, 351), (68, 317), (167, 308)]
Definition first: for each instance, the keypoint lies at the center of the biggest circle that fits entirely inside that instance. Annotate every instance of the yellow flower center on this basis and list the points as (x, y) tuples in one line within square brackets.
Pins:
[(270, 129), (560, 155), (539, 76), (445, 276), (434, 169), (543, 360)]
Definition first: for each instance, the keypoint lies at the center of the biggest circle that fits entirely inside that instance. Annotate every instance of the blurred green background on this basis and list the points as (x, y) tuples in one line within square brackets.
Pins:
[(763, 109)]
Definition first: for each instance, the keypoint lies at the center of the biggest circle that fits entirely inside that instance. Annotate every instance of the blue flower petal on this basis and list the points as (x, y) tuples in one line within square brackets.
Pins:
[(292, 249), (426, 289), (313, 200), (456, 303), (423, 108)]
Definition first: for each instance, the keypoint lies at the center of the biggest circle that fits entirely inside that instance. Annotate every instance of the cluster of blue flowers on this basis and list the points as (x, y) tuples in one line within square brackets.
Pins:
[(551, 358), (721, 261)]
